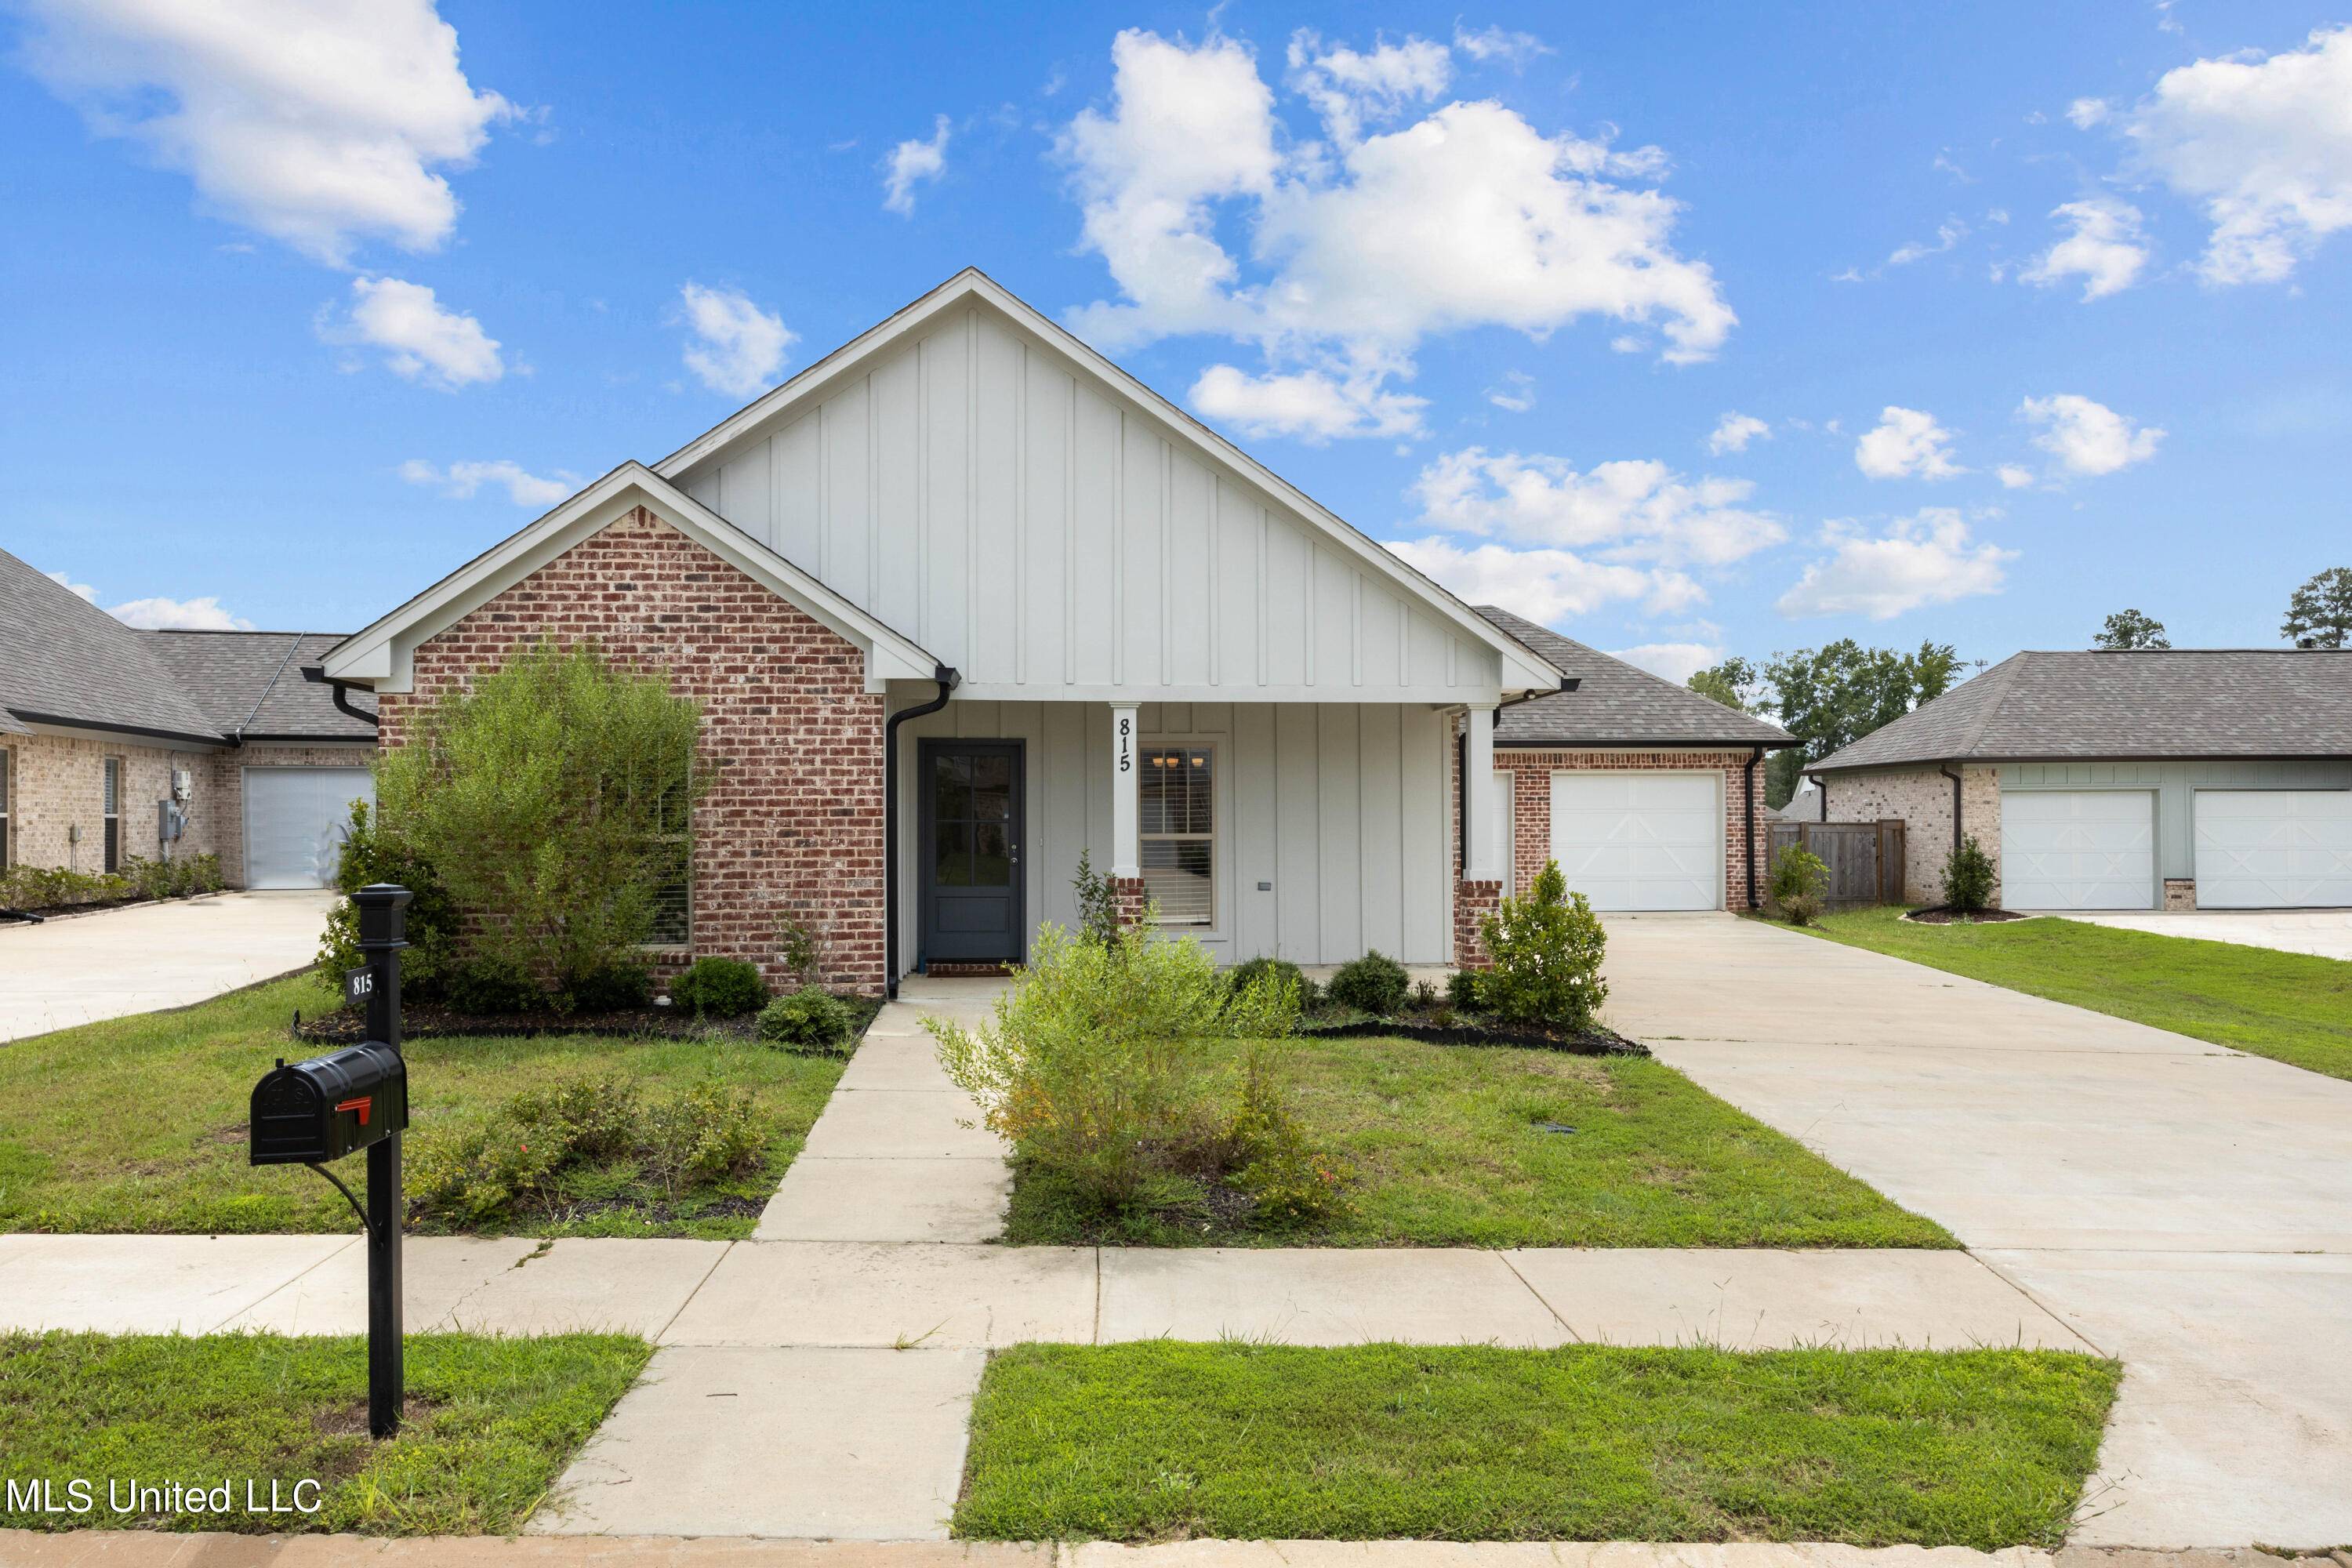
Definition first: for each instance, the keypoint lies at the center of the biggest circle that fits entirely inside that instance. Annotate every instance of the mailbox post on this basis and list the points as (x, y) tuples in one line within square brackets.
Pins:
[(323, 1108)]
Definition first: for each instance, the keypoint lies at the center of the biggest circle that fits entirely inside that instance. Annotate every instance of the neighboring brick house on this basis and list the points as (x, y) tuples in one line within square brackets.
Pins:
[(963, 602), (103, 725), (2173, 778)]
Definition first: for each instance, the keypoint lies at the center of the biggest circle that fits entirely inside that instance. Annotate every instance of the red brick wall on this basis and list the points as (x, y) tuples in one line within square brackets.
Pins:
[(790, 831), (1473, 901)]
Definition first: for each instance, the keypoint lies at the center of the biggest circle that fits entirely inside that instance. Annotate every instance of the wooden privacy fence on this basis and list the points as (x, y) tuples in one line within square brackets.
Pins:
[(1864, 859)]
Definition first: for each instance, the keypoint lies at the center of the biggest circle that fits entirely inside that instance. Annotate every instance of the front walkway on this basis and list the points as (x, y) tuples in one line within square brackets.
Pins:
[(77, 969), (2326, 933), (2181, 1206)]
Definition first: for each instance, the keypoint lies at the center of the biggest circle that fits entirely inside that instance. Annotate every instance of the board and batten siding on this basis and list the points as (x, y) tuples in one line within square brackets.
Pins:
[(1340, 806), (1041, 534)]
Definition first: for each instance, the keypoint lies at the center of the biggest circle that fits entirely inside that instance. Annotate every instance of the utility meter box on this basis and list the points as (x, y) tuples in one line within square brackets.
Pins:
[(310, 1112)]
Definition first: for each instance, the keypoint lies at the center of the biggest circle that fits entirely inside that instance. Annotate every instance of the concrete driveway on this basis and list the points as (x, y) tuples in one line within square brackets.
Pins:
[(2325, 932), (82, 968), (2183, 1206)]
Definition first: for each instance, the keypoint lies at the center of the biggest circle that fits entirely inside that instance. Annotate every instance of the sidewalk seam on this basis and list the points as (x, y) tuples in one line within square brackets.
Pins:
[(1528, 1286), (659, 1335), (288, 1283)]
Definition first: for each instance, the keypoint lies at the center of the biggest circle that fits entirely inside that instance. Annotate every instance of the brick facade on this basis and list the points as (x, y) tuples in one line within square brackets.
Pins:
[(2180, 894), (57, 782), (1922, 797), (1473, 901), (790, 832)]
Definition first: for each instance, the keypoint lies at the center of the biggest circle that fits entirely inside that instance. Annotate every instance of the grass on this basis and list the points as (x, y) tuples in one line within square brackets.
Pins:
[(1451, 1149), (491, 1424), (1157, 1440), (137, 1124), (2291, 1008)]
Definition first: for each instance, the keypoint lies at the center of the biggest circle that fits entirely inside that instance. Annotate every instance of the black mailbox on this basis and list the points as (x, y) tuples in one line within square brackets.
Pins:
[(310, 1112)]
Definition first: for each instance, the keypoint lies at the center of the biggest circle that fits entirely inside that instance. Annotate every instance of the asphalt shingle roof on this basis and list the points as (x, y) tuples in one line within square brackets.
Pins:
[(63, 659), (252, 683), (2146, 702), (1615, 704)]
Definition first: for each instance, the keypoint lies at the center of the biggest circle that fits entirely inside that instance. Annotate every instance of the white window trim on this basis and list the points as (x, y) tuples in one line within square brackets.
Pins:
[(1220, 828)]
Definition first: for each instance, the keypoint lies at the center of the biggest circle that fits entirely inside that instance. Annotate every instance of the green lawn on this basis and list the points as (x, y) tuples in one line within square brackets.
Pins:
[(1452, 1150), (137, 1124), (491, 1424), (1158, 1440), (2293, 1007)]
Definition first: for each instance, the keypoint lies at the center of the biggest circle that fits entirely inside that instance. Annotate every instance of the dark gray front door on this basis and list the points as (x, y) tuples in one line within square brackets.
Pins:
[(971, 850)]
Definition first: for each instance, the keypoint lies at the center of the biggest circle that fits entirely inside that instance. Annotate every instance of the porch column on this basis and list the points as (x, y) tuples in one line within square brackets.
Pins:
[(1126, 847), (1482, 863)]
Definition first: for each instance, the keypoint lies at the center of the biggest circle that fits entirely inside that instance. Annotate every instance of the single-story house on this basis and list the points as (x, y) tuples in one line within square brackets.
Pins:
[(2174, 778), (104, 730), (964, 599)]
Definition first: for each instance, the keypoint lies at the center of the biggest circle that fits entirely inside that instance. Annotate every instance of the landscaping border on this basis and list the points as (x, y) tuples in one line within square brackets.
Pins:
[(430, 1020), (1587, 1042)]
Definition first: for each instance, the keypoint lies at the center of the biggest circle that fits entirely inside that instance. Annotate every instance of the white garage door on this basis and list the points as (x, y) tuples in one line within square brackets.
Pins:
[(294, 821), (1640, 841), (2273, 850), (2078, 849)]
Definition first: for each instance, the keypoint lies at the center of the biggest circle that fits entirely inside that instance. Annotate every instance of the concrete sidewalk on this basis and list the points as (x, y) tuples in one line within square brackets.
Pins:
[(77, 969)]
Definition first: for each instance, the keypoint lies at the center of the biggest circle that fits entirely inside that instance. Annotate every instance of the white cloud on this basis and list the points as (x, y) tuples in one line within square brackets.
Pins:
[(2088, 437), (421, 340), (161, 614), (319, 125), (1361, 249), (1906, 444), (1494, 43), (738, 348), (2264, 143), (1675, 661), (1948, 234), (461, 480), (1309, 404), (81, 590), (1926, 559), (1630, 510), (1517, 394), (2013, 478), (1734, 431), (2086, 113), (2105, 249), (1544, 586), (911, 162)]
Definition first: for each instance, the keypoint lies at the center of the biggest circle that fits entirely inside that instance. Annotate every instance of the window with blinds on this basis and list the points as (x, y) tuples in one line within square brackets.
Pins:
[(6, 757), (1177, 814), (113, 816)]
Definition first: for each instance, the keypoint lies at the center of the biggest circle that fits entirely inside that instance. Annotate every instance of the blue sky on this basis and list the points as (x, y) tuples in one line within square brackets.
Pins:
[(2027, 318)]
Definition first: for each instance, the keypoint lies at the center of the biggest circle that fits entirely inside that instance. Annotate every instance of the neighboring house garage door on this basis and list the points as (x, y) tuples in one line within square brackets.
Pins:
[(294, 821), (2273, 850), (1640, 841), (2078, 849)]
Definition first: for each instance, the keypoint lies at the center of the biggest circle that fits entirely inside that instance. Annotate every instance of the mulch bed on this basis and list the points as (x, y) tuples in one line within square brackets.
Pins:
[(1592, 1042), (427, 1020), (1942, 916)]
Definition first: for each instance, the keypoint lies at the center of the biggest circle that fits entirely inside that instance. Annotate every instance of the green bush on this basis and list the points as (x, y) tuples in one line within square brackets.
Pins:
[(1374, 983), (55, 888), (1968, 878), (1462, 990), (1098, 904), (1280, 971), (1289, 1180), (718, 988), (553, 799), (1547, 950), (487, 989), (807, 1020), (617, 989), (373, 854), (1102, 1064), (1798, 879), (521, 1159)]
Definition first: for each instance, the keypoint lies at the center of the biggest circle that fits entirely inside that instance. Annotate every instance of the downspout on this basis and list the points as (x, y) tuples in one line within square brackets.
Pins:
[(1821, 788), (1946, 768), (343, 702), (1748, 819), (948, 680)]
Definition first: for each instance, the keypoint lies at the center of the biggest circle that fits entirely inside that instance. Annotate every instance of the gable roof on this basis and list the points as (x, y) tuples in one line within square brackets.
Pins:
[(251, 685), (1523, 667), (2140, 702), (378, 654), (1616, 703), (64, 662)]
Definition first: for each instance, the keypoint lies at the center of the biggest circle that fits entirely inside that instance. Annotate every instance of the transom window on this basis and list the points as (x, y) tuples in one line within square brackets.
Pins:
[(1176, 802)]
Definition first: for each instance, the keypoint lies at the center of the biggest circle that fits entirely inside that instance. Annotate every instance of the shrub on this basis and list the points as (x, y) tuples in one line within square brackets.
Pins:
[(1099, 922), (554, 801), (615, 989), (1289, 1180), (1424, 994), (807, 1020), (1547, 949), (1373, 984), (487, 988), (54, 887), (1101, 1063), (1968, 878), (372, 853), (708, 1133), (719, 988), (1276, 971), (1799, 876), (1461, 990)]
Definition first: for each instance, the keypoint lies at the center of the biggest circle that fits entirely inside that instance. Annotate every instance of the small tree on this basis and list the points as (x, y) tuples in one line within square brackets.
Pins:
[(1547, 949), (1968, 878), (554, 801), (2130, 629), (1098, 921), (2319, 614), (1799, 877)]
